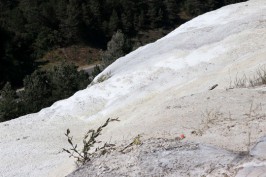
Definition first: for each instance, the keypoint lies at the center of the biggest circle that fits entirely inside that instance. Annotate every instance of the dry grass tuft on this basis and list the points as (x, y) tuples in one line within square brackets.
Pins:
[(257, 80)]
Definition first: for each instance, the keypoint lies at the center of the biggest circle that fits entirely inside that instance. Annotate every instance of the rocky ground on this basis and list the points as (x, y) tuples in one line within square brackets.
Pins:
[(225, 136), (172, 157)]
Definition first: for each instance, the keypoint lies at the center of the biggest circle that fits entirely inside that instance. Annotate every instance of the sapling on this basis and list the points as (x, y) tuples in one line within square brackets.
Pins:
[(89, 140)]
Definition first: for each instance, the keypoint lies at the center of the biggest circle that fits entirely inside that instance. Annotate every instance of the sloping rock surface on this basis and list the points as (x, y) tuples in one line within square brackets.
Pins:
[(159, 157), (160, 91)]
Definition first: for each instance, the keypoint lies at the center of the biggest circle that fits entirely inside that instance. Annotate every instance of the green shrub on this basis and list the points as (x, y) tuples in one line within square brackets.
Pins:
[(41, 89), (37, 92), (9, 105), (96, 70), (117, 47), (66, 80)]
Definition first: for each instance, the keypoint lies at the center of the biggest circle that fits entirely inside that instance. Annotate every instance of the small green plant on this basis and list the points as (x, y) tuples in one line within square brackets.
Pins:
[(136, 141), (89, 140), (104, 77)]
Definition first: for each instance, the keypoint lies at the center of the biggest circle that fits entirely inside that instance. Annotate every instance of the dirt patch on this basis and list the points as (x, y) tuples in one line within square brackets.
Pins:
[(79, 55)]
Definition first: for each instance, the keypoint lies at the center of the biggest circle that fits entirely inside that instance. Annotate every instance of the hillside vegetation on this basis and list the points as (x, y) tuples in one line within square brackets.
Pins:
[(42, 34), (31, 28)]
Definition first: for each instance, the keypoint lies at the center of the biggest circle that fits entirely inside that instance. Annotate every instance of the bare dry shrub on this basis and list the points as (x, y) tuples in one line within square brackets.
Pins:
[(257, 80)]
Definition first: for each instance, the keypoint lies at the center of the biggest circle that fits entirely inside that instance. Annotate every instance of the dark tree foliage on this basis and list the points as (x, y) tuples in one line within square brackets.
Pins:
[(118, 46), (114, 22), (172, 8), (37, 90), (197, 7), (96, 70), (35, 27), (41, 89), (66, 80), (15, 59), (3, 62), (9, 105), (72, 23)]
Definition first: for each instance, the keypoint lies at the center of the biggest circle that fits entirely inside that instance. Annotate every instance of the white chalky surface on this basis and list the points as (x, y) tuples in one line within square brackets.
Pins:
[(159, 90)]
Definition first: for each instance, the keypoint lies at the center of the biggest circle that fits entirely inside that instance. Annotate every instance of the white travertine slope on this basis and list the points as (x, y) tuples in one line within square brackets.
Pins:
[(210, 49)]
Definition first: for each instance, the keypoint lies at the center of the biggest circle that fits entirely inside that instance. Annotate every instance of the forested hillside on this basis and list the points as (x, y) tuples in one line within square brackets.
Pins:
[(29, 29)]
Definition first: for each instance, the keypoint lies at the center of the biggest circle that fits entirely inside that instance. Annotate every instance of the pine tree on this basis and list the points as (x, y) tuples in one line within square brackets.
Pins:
[(156, 13), (160, 18), (118, 46), (96, 70), (193, 7), (73, 21), (113, 22), (128, 10), (66, 80), (70, 16), (3, 66), (37, 92), (8, 104), (92, 13), (140, 22), (127, 23), (152, 14), (171, 10)]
